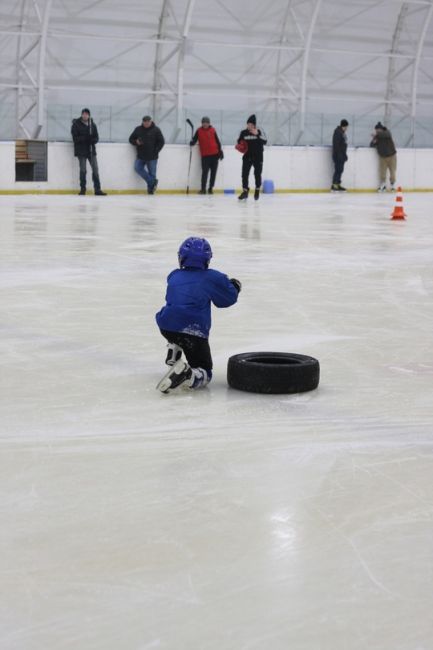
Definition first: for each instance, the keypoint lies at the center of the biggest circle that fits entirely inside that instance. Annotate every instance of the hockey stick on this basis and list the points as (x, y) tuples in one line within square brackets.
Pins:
[(190, 154)]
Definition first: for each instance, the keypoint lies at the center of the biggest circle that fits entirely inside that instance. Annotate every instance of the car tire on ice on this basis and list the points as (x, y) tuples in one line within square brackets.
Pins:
[(273, 372)]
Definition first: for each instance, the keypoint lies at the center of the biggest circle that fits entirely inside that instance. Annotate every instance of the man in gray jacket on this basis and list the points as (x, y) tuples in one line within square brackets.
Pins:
[(382, 140)]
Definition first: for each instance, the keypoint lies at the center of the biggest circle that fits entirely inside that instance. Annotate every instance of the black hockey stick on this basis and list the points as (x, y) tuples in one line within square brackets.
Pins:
[(190, 154)]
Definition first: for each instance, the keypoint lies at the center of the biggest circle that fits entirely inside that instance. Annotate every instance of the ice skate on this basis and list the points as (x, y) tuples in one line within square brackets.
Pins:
[(179, 374), (256, 194), (382, 188), (174, 353), (243, 195)]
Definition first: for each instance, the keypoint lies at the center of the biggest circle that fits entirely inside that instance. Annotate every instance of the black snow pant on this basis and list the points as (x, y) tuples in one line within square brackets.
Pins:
[(338, 170), (195, 348), (247, 163), (95, 171), (208, 164)]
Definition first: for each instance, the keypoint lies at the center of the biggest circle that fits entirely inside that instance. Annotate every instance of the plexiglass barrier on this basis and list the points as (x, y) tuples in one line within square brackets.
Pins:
[(115, 124)]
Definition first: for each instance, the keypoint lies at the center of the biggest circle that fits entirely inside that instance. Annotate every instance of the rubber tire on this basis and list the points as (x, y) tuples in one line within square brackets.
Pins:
[(273, 372)]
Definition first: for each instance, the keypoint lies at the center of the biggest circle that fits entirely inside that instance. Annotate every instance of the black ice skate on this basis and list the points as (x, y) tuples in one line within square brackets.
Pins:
[(256, 194), (243, 195), (174, 353), (179, 374)]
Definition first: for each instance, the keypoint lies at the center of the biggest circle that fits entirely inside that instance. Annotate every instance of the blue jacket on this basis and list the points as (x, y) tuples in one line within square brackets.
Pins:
[(190, 292)]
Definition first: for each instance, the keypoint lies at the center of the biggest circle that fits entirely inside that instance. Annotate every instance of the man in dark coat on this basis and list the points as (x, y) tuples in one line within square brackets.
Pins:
[(85, 136), (149, 141), (339, 155)]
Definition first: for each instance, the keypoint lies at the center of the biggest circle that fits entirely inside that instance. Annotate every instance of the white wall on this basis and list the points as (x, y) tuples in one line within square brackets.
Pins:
[(290, 168)]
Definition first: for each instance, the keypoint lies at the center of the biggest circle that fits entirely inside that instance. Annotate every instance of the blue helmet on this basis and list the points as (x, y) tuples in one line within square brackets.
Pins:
[(196, 252)]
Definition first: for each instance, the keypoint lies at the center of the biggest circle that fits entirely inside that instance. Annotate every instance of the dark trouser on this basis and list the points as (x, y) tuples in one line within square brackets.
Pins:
[(338, 170), (247, 163), (95, 172), (195, 349), (208, 163)]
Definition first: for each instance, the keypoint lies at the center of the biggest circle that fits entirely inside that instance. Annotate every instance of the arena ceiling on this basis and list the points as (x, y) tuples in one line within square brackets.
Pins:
[(285, 56)]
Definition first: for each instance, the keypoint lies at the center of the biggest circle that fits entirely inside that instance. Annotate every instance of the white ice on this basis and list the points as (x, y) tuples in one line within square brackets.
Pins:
[(218, 520)]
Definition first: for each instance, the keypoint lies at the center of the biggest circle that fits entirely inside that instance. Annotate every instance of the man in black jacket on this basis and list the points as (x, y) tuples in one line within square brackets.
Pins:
[(254, 141), (149, 141), (85, 136), (339, 155)]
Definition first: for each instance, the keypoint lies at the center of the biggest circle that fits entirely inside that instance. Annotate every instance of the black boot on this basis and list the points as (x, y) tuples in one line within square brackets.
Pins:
[(243, 195), (210, 191), (82, 191), (256, 194), (202, 191), (97, 185)]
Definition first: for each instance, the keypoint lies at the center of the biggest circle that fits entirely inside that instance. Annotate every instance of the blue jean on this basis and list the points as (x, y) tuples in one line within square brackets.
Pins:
[(148, 174)]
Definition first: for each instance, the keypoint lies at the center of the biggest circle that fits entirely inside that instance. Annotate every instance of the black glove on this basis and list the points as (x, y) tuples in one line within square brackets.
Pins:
[(191, 143), (237, 284), (221, 155)]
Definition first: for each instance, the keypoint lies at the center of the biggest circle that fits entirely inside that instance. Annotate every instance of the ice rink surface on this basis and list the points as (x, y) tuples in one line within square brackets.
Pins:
[(218, 520)]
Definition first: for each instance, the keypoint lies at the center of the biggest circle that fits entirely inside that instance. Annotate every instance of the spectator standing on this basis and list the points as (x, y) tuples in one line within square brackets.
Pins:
[(254, 140), (210, 151), (339, 155), (85, 136), (148, 140), (382, 140)]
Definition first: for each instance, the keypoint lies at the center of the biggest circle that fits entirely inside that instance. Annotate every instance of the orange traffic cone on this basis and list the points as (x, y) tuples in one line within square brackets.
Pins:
[(398, 212)]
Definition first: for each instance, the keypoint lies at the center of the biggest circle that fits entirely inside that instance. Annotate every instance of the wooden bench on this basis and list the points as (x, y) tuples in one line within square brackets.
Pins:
[(24, 166)]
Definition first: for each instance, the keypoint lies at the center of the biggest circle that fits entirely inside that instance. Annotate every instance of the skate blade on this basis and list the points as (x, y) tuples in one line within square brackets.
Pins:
[(165, 384)]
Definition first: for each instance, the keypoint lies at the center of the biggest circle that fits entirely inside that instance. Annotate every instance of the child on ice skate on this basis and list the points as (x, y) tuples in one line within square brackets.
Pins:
[(185, 320)]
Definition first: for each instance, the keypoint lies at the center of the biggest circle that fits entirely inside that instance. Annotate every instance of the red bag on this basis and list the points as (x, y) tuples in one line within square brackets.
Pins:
[(242, 147)]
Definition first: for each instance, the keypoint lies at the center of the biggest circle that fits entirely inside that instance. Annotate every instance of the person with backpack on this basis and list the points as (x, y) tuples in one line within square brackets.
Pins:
[(385, 147)]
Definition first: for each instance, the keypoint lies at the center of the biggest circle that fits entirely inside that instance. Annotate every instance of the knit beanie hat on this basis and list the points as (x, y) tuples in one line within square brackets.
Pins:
[(344, 123), (379, 125), (251, 120), (205, 119)]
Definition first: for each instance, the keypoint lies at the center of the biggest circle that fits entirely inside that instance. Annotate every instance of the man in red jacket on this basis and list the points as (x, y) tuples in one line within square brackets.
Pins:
[(210, 151)]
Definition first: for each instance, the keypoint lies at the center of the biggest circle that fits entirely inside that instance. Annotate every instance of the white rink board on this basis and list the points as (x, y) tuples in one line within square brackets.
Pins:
[(290, 168), (219, 520)]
